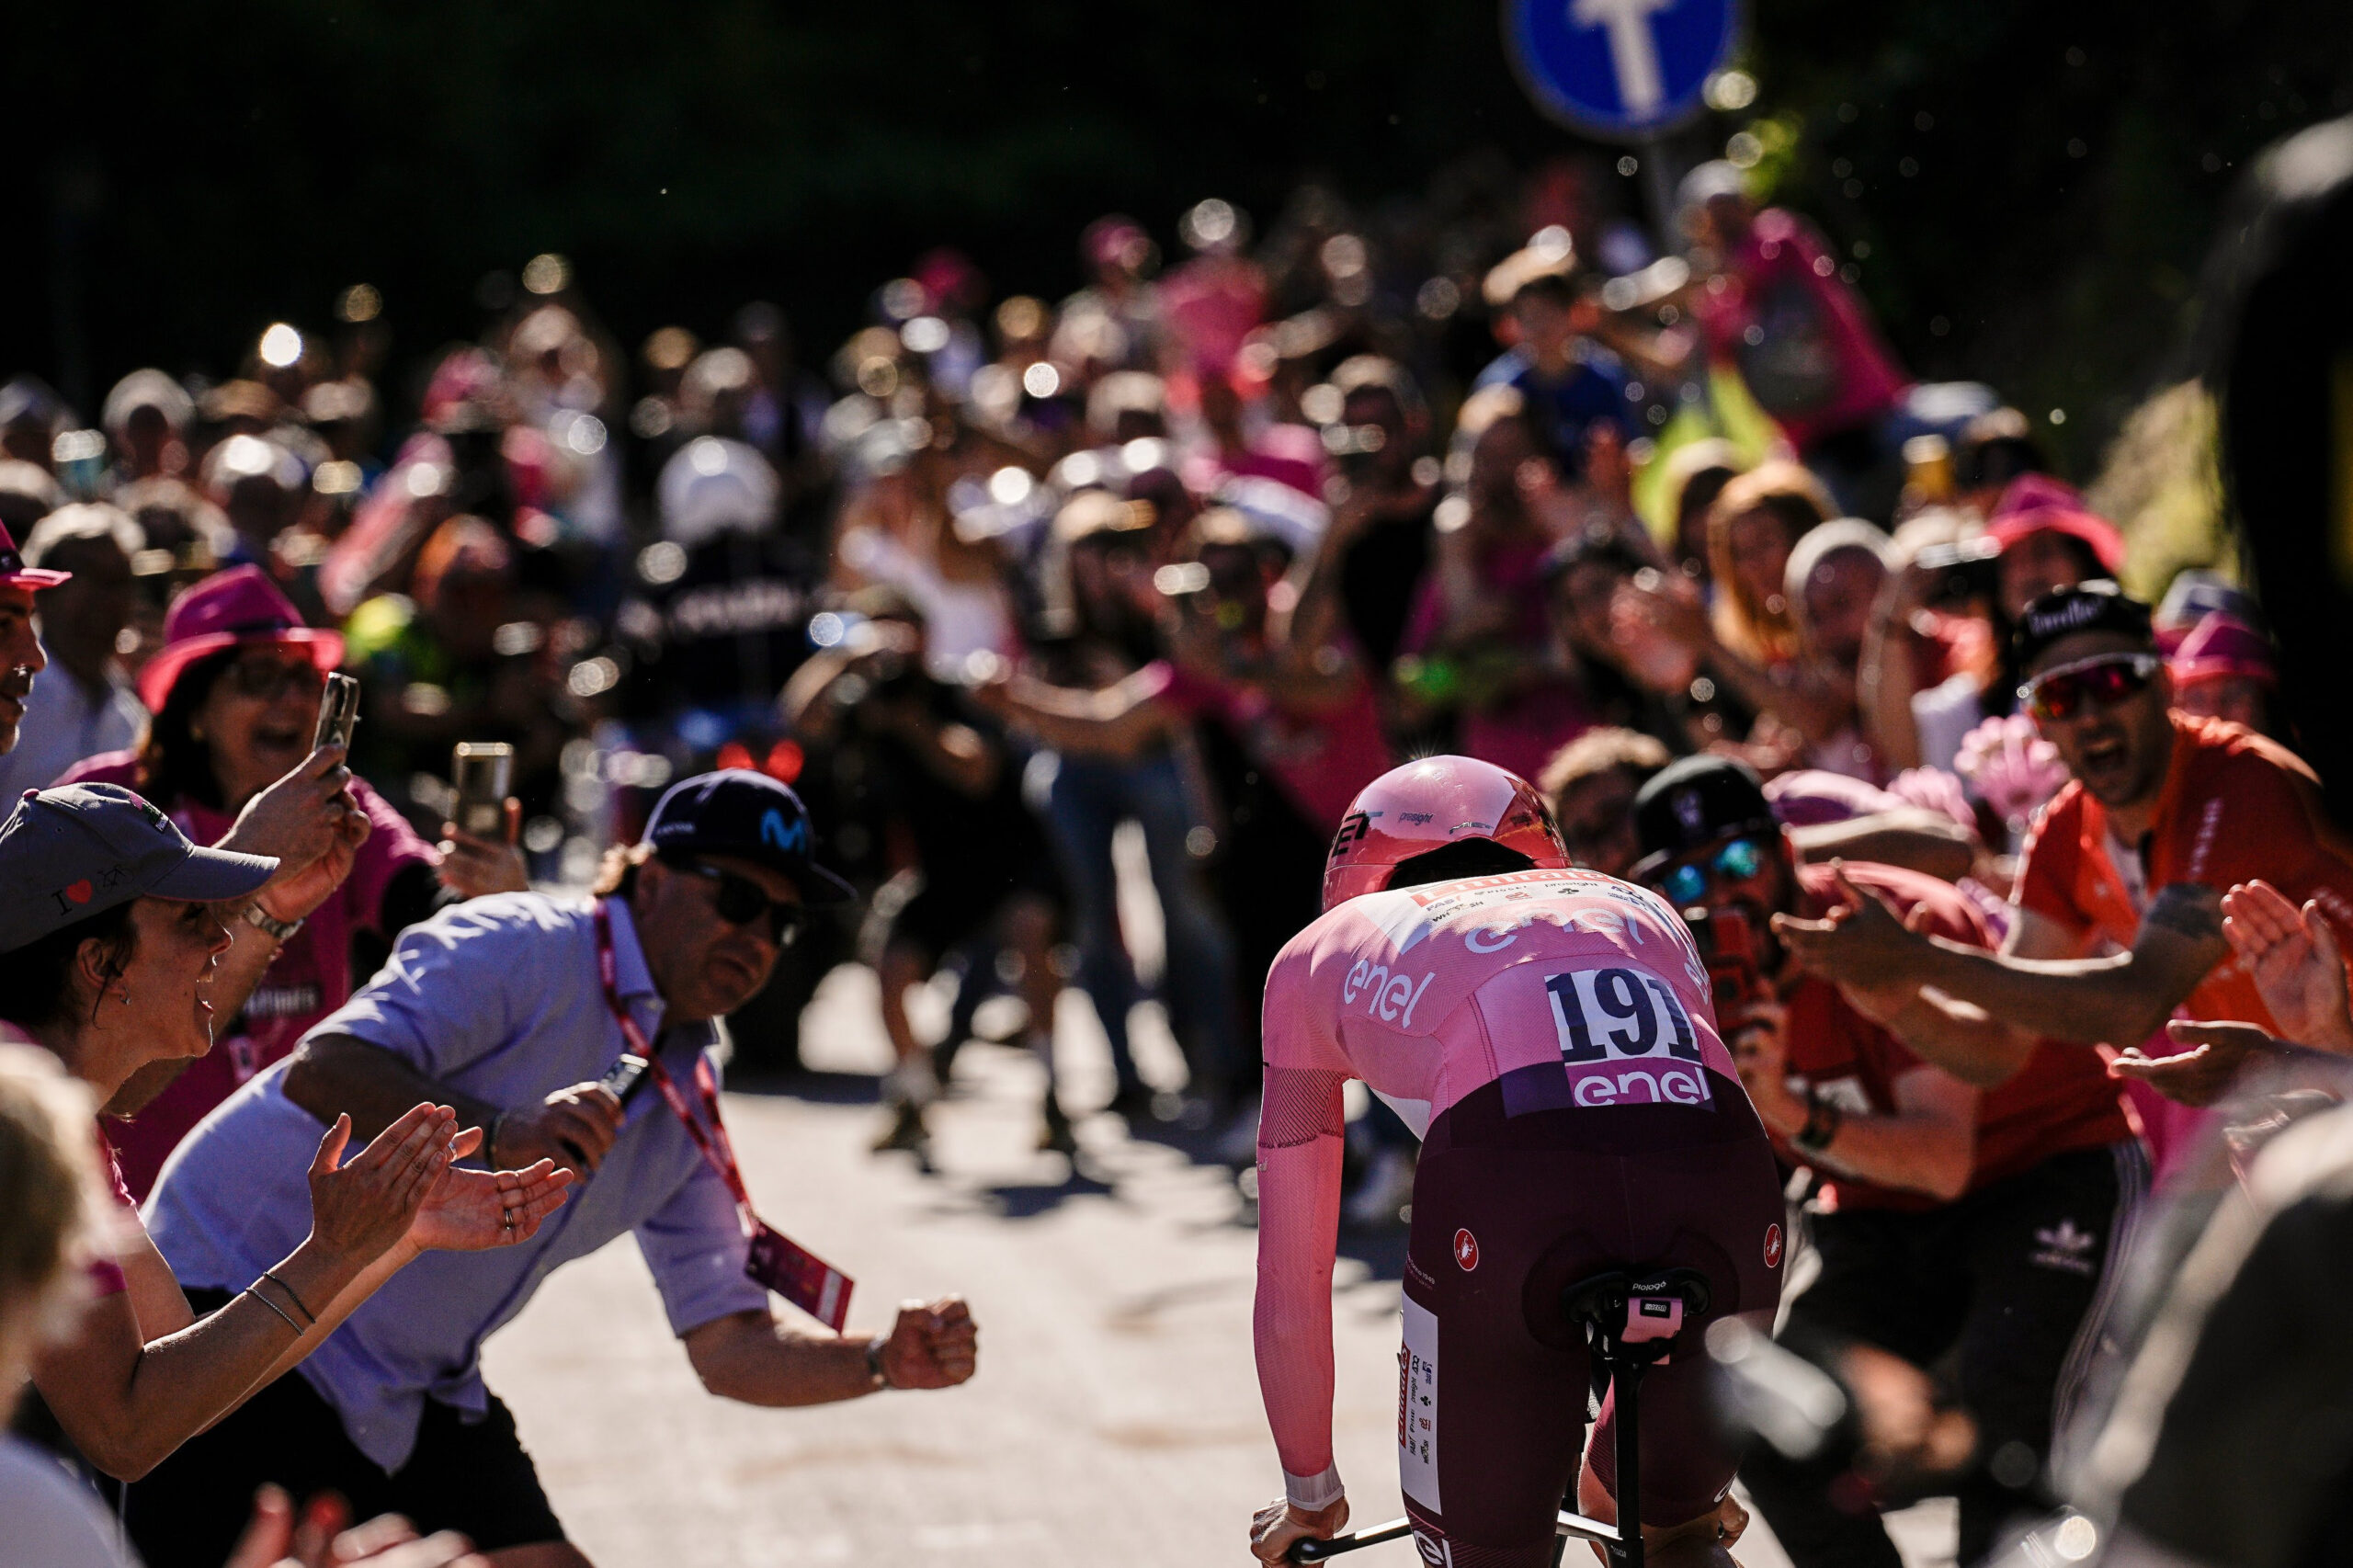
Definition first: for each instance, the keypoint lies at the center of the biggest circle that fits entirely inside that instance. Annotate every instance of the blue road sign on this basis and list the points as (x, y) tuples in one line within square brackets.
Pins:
[(1620, 69)]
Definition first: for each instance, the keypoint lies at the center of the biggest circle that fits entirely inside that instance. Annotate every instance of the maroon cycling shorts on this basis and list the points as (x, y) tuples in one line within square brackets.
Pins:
[(1510, 1211)]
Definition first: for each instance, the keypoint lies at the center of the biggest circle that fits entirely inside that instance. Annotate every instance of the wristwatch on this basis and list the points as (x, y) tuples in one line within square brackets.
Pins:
[(876, 1378), (1823, 1118), (260, 921)]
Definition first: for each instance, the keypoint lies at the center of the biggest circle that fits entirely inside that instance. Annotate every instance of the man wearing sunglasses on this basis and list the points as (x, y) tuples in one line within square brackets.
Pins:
[(2117, 921), (1934, 1196), (532, 1015)]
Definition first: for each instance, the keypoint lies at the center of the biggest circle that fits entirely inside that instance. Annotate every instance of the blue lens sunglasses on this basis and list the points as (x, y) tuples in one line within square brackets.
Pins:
[(1687, 884)]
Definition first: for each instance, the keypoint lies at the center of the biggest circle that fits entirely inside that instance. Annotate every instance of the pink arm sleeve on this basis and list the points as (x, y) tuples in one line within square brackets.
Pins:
[(1299, 1145)]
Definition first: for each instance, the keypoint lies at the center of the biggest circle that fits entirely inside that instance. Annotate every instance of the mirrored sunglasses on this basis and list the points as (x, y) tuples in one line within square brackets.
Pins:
[(2105, 681), (1687, 883)]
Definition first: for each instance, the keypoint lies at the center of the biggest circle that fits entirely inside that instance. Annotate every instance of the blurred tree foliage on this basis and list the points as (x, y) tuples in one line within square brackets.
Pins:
[(2027, 187)]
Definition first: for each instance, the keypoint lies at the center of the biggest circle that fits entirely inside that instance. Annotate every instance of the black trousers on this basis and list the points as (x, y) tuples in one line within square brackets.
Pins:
[(469, 1476), (1997, 1295)]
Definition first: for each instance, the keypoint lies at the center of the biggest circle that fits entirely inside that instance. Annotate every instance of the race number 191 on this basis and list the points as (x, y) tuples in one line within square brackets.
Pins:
[(1603, 1014)]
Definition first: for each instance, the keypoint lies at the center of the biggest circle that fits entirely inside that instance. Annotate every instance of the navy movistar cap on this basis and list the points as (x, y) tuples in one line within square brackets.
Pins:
[(70, 853), (739, 812)]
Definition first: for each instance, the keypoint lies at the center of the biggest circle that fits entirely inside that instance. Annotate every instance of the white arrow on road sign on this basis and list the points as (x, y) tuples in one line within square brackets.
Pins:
[(1631, 52), (1625, 70)]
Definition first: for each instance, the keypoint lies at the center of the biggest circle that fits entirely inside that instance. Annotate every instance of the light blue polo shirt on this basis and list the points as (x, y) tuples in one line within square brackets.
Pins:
[(498, 997)]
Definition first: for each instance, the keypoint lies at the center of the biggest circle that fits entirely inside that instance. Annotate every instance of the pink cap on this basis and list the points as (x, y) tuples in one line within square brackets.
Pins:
[(15, 573), (2220, 647), (234, 609), (2036, 503)]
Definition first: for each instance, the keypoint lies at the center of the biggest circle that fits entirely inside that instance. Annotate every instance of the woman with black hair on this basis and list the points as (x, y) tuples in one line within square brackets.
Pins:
[(109, 955)]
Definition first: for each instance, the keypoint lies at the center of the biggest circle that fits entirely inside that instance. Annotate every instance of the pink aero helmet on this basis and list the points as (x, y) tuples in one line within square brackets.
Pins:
[(1428, 804)]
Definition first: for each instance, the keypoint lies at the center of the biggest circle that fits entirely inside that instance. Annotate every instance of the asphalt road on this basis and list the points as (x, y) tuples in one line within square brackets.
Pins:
[(1115, 1416)]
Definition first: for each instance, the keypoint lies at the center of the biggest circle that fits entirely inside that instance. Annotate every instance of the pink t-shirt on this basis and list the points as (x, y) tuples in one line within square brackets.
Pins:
[(310, 978), (1320, 759), (1569, 987), (106, 1274), (1799, 333)]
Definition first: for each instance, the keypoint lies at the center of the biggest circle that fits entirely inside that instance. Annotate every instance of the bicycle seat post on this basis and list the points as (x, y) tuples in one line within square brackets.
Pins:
[(1630, 1324), (1625, 1382)]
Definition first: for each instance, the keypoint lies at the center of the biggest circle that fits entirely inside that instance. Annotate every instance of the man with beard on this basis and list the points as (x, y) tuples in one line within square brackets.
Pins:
[(520, 1009), (2118, 916), (1974, 1229)]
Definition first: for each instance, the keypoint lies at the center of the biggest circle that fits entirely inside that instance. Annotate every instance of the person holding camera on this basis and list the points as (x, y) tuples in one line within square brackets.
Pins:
[(2041, 539), (1978, 1226), (1294, 732), (235, 692), (949, 786), (1370, 558), (519, 1009)]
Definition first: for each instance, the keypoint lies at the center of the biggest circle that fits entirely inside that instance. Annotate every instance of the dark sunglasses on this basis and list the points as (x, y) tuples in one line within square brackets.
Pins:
[(1687, 883), (2105, 681), (269, 680), (740, 901)]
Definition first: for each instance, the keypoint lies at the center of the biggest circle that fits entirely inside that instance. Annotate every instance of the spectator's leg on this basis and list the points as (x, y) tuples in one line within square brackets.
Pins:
[(974, 966), (1198, 985), (1026, 926), (1868, 1290), (2042, 1250), (911, 1084), (1082, 813)]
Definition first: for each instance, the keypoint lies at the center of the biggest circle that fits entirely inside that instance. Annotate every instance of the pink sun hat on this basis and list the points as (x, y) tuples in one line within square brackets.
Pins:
[(239, 608), (2220, 647)]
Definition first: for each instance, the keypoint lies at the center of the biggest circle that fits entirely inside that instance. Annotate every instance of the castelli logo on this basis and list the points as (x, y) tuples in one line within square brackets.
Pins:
[(1466, 1250), (1772, 1246)]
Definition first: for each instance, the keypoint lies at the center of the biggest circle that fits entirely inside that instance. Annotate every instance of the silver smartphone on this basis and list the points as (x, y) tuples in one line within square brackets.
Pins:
[(483, 771), (338, 712)]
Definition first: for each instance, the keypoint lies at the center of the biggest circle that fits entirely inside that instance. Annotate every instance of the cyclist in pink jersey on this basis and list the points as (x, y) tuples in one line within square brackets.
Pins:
[(1549, 1033)]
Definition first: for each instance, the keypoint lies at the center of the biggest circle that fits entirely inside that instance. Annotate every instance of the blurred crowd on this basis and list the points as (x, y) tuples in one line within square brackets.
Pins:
[(1201, 549), (1027, 596)]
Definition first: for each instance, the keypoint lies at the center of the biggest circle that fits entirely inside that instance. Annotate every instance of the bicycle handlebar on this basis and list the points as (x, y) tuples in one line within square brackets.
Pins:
[(1311, 1550)]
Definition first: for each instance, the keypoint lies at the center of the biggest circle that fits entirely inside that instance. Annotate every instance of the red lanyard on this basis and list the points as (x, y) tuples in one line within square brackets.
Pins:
[(775, 1260), (717, 1150)]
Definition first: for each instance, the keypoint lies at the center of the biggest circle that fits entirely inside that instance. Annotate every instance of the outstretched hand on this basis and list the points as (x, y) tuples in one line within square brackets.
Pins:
[(1863, 943), (469, 1210), (361, 1208), (472, 865), (2293, 957), (2204, 1072)]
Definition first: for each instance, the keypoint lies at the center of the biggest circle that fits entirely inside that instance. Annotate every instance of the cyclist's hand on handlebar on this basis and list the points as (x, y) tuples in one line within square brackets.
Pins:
[(1280, 1523)]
